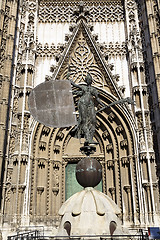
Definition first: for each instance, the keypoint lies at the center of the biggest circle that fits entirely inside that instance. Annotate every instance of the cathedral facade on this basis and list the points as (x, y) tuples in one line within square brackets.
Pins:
[(118, 43)]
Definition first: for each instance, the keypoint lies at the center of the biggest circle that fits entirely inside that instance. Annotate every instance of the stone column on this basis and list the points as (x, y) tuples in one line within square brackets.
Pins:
[(127, 188)]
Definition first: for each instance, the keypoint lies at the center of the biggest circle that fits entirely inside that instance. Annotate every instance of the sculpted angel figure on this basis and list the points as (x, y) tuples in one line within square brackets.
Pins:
[(87, 114)]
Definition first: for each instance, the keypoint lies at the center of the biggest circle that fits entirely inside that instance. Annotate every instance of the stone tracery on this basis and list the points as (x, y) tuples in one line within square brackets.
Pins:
[(63, 12)]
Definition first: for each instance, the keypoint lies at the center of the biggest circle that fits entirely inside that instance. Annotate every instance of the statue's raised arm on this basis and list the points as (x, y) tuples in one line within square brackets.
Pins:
[(74, 84)]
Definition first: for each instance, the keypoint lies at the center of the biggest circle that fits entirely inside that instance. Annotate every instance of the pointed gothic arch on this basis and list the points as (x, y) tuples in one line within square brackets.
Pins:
[(54, 148)]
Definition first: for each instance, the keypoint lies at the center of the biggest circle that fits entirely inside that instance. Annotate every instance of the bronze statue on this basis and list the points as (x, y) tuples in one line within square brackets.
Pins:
[(87, 114), (86, 107)]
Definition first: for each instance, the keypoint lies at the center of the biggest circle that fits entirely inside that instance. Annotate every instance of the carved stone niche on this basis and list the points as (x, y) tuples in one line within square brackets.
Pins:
[(111, 117), (52, 68), (56, 149), (125, 161), (21, 188), (105, 134), (42, 145), (112, 190), (67, 37), (124, 143), (119, 129), (155, 185), (56, 166), (110, 164), (109, 147), (13, 188), (41, 163), (40, 190), (146, 185), (24, 159), (127, 188), (45, 131), (60, 136), (15, 160), (152, 156), (143, 157), (116, 77), (55, 190)]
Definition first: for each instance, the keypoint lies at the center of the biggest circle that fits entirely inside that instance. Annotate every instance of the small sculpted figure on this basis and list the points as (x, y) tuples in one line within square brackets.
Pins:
[(87, 114)]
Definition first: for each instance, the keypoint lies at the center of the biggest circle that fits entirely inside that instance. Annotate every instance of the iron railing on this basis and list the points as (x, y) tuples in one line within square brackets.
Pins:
[(38, 236)]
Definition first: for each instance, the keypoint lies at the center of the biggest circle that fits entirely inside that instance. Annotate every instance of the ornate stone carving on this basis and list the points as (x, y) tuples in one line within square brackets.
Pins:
[(2, 53), (42, 145), (125, 161), (119, 129), (112, 190), (45, 131), (146, 185), (41, 163), (105, 134), (54, 181), (13, 137), (109, 147), (24, 159), (155, 185), (56, 165), (113, 50), (15, 160), (60, 135), (111, 117), (110, 164), (143, 156), (3, 56), (131, 4), (21, 188), (40, 190), (56, 149), (55, 188), (50, 51), (157, 17), (127, 188), (60, 12), (124, 143), (13, 188), (152, 156), (8, 185), (24, 8), (83, 61)]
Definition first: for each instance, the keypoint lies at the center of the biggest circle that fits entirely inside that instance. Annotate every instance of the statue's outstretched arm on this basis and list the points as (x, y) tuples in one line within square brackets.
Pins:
[(121, 101), (100, 102), (74, 84)]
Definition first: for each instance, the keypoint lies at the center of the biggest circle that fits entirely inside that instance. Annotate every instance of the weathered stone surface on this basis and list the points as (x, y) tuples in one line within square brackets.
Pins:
[(90, 212)]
